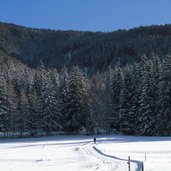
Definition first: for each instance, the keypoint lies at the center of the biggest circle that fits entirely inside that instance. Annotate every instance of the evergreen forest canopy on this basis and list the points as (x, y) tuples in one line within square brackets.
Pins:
[(91, 51), (67, 80)]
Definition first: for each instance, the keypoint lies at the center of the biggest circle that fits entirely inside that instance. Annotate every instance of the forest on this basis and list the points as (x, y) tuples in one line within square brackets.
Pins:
[(91, 51), (132, 98)]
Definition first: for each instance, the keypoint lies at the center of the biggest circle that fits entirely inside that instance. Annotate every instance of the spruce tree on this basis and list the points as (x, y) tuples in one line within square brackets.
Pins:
[(76, 108), (23, 113), (13, 99), (127, 119), (164, 113), (116, 90), (97, 110), (4, 105), (108, 98), (135, 97), (146, 120), (50, 106), (34, 121), (63, 93)]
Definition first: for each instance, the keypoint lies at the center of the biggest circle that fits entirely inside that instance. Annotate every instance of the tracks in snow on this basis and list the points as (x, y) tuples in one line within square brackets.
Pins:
[(103, 164), (106, 162)]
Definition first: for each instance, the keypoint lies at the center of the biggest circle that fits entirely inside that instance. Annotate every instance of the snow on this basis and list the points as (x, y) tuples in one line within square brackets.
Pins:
[(79, 153)]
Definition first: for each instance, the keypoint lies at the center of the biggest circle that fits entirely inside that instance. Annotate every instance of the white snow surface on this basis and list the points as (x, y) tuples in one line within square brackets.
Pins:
[(79, 153)]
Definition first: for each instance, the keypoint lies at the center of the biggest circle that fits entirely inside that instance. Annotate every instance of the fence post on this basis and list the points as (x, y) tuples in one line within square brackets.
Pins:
[(129, 167), (142, 166)]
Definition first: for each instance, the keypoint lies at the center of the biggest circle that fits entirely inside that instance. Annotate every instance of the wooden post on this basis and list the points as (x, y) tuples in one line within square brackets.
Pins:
[(142, 166), (129, 166), (145, 157)]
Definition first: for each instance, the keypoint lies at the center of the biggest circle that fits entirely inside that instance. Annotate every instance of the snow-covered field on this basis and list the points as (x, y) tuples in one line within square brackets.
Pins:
[(78, 153)]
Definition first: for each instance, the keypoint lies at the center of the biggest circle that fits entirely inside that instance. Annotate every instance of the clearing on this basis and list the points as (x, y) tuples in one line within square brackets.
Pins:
[(79, 153)]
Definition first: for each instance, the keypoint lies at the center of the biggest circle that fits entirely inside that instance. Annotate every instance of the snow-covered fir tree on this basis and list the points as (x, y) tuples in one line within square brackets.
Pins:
[(4, 105), (23, 112), (116, 90), (135, 98), (76, 108), (96, 104), (63, 93), (164, 113), (156, 71), (146, 120), (13, 99), (50, 106), (34, 120), (127, 118), (108, 98)]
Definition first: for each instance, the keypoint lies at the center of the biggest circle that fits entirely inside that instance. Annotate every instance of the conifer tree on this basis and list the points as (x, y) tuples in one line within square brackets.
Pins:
[(164, 116), (146, 120), (108, 98), (156, 71), (116, 90), (50, 106), (96, 104), (135, 97), (23, 113), (76, 108), (63, 93), (4, 105), (34, 121), (13, 100), (127, 119)]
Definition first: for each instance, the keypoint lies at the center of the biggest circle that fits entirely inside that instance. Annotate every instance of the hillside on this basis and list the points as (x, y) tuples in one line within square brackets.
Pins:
[(91, 50), (134, 99)]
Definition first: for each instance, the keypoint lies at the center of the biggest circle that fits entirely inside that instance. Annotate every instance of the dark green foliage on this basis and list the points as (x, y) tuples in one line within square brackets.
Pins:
[(116, 90), (146, 102), (164, 110), (4, 105), (77, 101), (127, 100), (92, 50)]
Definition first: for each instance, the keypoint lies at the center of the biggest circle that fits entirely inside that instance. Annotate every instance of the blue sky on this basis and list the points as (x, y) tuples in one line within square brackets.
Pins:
[(85, 15)]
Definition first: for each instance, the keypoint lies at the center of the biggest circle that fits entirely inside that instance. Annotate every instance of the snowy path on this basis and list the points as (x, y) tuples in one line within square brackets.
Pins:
[(108, 162), (78, 153), (102, 163)]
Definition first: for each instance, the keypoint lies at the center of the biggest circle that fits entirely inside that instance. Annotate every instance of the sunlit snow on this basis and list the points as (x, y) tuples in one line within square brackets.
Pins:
[(79, 153)]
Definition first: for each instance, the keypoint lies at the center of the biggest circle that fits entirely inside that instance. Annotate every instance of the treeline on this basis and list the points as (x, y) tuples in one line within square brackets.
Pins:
[(135, 99)]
